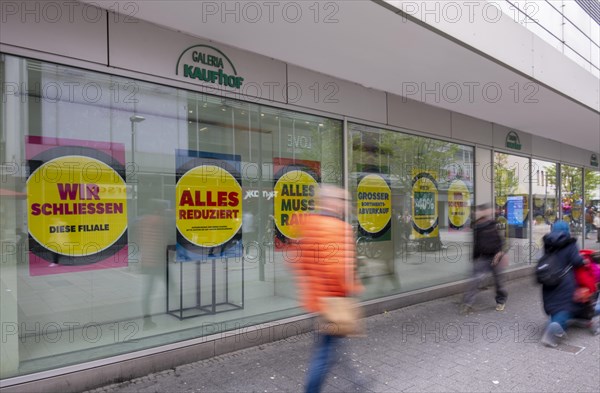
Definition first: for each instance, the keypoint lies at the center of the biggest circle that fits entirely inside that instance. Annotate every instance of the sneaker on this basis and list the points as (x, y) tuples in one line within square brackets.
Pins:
[(500, 306), (548, 338), (553, 332)]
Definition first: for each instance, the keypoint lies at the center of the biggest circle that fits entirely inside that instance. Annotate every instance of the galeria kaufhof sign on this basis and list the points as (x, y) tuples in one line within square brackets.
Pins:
[(208, 64)]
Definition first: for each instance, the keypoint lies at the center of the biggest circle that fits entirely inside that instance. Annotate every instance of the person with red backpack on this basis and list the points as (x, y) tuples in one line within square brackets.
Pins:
[(558, 298)]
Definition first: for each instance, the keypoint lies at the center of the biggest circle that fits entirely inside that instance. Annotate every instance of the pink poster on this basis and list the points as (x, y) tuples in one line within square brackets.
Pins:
[(76, 205)]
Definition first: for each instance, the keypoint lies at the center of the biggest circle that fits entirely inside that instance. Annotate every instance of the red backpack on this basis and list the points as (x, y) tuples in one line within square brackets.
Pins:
[(586, 278)]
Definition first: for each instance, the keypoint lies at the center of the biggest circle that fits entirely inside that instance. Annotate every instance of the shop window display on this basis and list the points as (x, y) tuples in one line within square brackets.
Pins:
[(512, 176), (412, 198), (112, 192)]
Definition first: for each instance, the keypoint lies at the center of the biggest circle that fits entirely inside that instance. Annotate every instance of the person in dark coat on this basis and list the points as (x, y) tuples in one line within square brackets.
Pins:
[(488, 248), (558, 300)]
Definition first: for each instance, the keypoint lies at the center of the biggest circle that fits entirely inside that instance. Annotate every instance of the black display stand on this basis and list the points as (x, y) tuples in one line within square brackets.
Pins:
[(202, 306)]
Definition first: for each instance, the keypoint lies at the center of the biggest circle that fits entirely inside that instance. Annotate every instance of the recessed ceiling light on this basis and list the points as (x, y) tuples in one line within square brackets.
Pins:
[(262, 115), (204, 128), (191, 111)]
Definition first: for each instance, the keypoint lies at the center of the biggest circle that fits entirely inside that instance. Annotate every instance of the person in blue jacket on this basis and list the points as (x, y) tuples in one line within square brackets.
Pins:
[(558, 300)]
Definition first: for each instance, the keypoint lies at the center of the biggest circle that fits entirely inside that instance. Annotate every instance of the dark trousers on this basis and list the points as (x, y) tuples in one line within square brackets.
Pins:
[(481, 268)]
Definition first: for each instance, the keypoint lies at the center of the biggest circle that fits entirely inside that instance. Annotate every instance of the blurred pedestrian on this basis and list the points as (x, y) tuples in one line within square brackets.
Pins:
[(589, 220), (325, 268), (152, 237), (558, 300), (488, 253)]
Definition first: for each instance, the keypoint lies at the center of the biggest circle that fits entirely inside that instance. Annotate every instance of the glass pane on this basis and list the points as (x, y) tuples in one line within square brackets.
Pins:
[(572, 201), (592, 212), (412, 201), (511, 188), (121, 151), (545, 202)]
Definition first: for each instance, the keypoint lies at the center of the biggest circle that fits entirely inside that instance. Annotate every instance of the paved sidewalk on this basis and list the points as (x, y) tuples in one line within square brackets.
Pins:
[(427, 347)]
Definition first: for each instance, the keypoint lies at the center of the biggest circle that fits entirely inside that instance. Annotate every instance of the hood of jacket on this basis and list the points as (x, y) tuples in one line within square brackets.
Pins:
[(556, 240)]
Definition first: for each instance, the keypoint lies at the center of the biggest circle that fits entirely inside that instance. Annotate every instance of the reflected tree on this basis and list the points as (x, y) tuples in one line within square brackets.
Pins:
[(506, 178)]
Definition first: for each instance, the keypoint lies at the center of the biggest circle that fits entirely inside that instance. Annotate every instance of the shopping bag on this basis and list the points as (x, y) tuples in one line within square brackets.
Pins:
[(341, 316)]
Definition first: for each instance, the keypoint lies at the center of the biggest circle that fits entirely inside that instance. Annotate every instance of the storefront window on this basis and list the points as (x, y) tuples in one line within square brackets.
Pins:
[(592, 209), (412, 199), (545, 202), (135, 215), (572, 205), (511, 197)]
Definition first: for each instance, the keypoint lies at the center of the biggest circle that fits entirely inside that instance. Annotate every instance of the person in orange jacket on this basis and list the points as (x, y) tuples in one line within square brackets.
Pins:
[(325, 267)]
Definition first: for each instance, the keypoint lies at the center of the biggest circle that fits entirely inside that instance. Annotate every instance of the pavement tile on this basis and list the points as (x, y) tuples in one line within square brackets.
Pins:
[(494, 352), (432, 387), (399, 385), (381, 387), (339, 382), (441, 374)]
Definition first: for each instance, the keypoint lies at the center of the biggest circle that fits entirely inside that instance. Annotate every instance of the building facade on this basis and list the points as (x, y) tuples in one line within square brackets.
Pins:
[(152, 175)]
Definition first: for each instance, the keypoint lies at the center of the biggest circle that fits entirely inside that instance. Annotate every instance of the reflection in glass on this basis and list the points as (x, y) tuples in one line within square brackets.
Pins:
[(122, 308), (592, 213), (511, 189), (545, 202), (424, 239), (572, 209)]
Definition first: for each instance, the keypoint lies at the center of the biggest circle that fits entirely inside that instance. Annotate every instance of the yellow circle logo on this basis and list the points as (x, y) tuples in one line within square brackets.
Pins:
[(294, 197), (77, 206), (424, 205), (374, 203), (209, 210), (458, 203)]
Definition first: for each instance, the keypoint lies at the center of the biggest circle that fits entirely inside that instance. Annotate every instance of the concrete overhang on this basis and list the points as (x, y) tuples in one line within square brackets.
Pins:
[(372, 43)]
